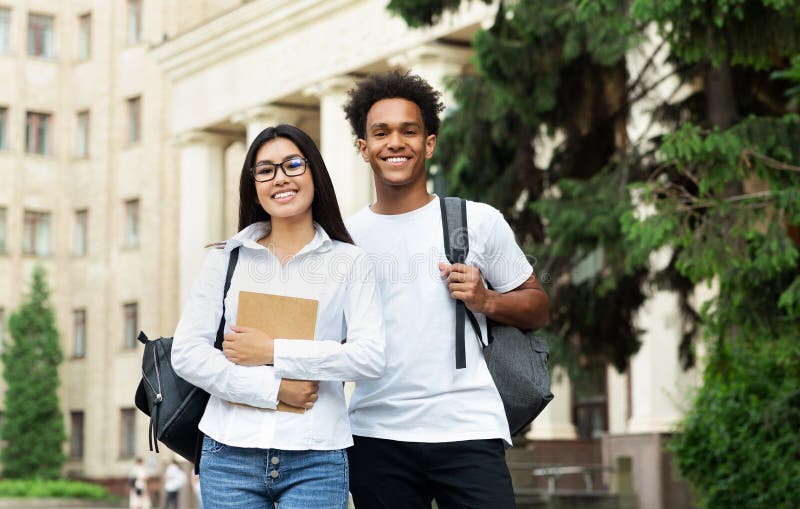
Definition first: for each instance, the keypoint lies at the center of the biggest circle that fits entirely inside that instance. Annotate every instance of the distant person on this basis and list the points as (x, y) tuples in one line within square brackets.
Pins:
[(293, 243), (174, 480), (434, 427), (138, 498)]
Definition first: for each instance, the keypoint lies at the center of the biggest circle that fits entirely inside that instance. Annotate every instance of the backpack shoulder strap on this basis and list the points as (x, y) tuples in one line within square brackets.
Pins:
[(456, 248), (454, 228), (233, 258)]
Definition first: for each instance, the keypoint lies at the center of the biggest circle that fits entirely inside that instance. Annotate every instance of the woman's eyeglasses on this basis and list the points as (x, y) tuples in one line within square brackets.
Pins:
[(293, 167)]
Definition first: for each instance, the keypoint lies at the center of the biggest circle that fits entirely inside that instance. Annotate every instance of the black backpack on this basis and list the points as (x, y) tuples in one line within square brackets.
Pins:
[(517, 360), (175, 406)]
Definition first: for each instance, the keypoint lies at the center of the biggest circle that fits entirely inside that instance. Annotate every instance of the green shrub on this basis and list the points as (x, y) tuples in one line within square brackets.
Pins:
[(58, 488), (740, 443)]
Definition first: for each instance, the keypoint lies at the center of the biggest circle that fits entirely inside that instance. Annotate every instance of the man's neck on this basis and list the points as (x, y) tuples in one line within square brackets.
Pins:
[(399, 201)]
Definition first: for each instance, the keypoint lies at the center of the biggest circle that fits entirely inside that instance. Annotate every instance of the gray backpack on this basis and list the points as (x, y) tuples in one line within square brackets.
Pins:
[(517, 360)]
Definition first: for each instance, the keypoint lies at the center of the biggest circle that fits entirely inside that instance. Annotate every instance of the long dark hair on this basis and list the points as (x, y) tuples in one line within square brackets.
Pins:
[(324, 207)]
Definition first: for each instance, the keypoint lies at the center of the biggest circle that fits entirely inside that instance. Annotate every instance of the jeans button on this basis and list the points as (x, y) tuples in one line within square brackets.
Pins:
[(273, 474), (275, 460)]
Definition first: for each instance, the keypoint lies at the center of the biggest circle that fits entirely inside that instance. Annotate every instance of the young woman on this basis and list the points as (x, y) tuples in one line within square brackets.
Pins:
[(292, 242)]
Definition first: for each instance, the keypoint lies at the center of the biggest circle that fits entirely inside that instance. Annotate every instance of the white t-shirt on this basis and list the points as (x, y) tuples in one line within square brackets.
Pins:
[(422, 397)]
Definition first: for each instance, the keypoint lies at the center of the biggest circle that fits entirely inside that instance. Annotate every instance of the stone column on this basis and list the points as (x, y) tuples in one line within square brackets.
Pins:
[(434, 62), (202, 201), (658, 383), (350, 174), (257, 119)]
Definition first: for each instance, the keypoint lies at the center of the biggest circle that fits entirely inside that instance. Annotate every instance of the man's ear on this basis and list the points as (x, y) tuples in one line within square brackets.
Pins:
[(362, 149), (430, 144)]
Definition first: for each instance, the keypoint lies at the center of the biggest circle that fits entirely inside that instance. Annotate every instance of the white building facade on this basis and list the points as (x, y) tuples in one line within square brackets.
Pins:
[(120, 160)]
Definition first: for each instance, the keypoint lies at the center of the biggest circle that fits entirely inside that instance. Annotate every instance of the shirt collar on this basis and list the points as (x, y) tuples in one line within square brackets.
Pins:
[(249, 236)]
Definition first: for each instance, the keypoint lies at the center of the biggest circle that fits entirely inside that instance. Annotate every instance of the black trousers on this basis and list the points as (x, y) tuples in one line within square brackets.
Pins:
[(386, 474)]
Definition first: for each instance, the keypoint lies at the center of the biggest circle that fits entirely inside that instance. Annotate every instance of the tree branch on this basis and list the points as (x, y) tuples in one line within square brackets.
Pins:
[(772, 163)]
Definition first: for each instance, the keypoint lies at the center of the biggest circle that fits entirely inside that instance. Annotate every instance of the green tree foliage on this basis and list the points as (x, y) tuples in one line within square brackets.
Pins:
[(544, 122), (33, 428)]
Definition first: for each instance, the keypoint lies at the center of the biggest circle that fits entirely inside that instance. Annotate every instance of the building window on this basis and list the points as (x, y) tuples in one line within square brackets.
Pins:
[(5, 30), (134, 21), (134, 119), (80, 240), (131, 311), (132, 223), (36, 233), (76, 434), (40, 35), (127, 447), (84, 36), (3, 129), (37, 133), (82, 149), (3, 230), (79, 333), (589, 402)]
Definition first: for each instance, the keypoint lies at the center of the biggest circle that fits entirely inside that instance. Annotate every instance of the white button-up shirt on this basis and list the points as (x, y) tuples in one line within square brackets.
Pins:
[(336, 274)]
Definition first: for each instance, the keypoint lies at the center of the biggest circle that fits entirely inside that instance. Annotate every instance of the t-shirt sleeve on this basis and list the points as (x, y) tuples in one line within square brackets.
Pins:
[(503, 263)]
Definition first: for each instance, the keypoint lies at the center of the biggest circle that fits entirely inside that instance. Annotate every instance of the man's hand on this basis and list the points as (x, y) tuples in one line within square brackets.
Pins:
[(299, 393), (465, 284), (248, 346)]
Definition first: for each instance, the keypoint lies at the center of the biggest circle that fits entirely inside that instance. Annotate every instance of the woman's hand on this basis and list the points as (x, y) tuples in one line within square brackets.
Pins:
[(248, 346), (299, 393)]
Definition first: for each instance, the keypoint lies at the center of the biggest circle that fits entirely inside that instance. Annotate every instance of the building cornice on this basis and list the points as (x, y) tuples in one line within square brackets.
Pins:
[(250, 25)]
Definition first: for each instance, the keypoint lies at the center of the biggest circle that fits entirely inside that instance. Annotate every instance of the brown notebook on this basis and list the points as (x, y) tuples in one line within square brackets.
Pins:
[(280, 317)]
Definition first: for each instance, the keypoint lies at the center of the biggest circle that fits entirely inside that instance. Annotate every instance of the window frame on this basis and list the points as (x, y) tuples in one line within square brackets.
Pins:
[(3, 229), (80, 233), (5, 35), (77, 442), (84, 52), (130, 314), (32, 222), (38, 128), (133, 223), (79, 331), (134, 119), (134, 22), (3, 127), (127, 429), (41, 38), (83, 134)]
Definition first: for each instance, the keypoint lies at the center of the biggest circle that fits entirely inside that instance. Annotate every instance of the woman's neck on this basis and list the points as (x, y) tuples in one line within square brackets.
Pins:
[(288, 236)]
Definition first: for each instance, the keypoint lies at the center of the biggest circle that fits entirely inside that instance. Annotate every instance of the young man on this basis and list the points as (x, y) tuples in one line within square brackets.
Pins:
[(427, 430)]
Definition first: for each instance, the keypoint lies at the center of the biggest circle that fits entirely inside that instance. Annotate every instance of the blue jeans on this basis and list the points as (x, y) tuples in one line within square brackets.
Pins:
[(249, 478)]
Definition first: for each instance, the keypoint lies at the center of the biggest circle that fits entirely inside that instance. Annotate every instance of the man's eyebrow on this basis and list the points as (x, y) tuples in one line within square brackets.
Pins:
[(384, 125)]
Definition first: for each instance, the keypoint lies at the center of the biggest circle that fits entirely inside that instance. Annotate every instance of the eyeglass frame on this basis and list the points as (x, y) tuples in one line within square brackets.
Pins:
[(280, 165)]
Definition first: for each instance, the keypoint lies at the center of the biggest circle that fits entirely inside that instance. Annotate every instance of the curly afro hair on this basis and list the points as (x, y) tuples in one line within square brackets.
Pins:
[(393, 84)]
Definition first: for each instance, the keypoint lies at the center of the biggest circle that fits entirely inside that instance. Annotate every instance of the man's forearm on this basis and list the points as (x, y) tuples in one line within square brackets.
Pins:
[(524, 307)]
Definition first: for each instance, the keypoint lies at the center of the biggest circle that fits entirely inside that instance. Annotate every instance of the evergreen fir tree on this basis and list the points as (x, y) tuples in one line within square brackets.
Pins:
[(33, 428)]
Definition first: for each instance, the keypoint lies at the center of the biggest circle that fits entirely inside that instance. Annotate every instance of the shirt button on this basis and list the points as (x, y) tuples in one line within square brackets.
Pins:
[(273, 474), (275, 460)]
